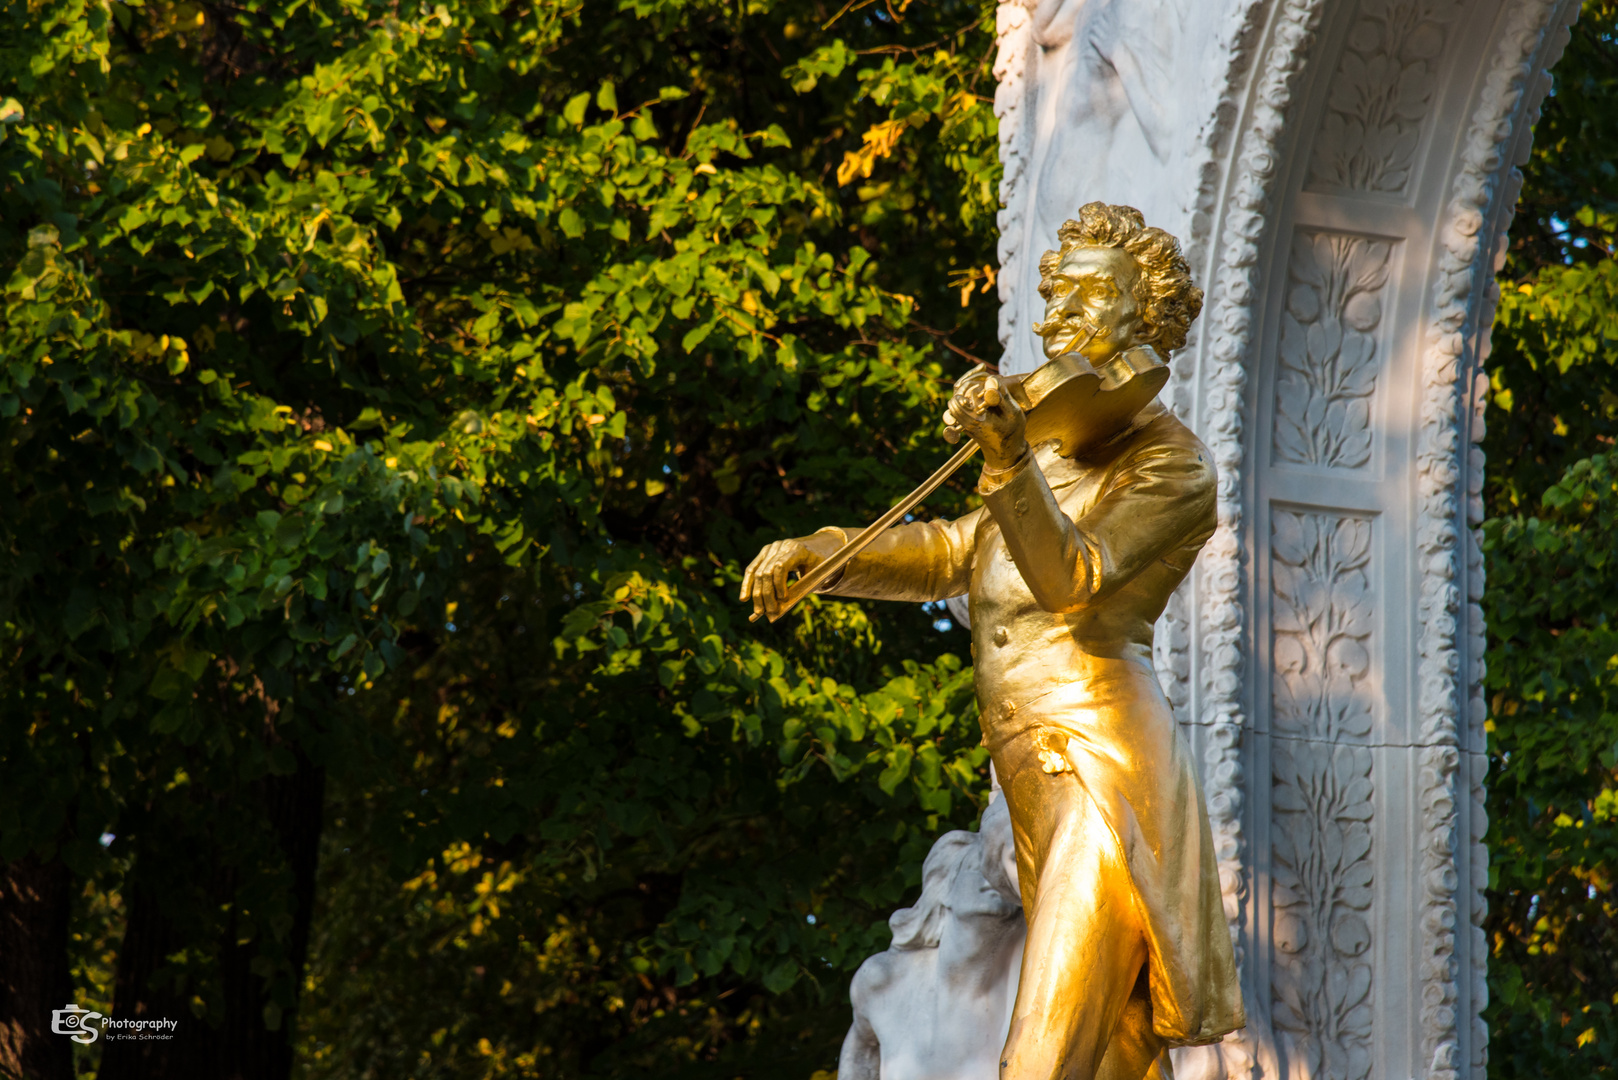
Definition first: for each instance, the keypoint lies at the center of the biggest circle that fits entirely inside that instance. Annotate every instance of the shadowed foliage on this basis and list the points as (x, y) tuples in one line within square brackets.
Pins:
[(391, 397)]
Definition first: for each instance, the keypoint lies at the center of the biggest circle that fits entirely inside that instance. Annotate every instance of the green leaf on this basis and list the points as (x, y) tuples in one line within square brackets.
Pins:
[(696, 336), (169, 683), (781, 977), (898, 769), (573, 111)]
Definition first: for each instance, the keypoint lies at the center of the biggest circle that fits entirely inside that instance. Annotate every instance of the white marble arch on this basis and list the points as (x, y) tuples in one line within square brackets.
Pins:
[(1342, 173)]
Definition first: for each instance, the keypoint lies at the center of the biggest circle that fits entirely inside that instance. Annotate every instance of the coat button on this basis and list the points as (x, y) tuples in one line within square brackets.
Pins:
[(1021, 506), (1001, 635)]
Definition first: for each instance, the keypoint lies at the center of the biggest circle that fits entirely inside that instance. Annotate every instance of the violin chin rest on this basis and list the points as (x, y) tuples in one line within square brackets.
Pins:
[(1080, 406)]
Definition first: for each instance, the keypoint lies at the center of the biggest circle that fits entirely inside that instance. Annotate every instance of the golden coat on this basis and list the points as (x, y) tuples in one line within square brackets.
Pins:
[(1068, 565)]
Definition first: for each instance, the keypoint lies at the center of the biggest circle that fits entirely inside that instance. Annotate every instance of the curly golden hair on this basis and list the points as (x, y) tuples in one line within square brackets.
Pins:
[(1168, 301)]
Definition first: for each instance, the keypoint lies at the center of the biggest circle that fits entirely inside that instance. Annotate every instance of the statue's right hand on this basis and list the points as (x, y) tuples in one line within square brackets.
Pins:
[(765, 582)]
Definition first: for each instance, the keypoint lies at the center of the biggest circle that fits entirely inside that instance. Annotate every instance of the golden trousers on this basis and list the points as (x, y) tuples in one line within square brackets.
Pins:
[(1083, 1006)]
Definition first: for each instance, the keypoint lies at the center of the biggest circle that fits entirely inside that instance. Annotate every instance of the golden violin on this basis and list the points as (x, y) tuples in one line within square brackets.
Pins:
[(1065, 400)]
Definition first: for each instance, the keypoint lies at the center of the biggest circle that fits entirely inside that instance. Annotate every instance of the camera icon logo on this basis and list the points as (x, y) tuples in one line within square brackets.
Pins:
[(75, 1022)]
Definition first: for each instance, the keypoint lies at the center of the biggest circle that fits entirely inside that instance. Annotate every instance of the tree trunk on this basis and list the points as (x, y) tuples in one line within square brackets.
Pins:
[(35, 901), (149, 937), (244, 1043), (251, 1049)]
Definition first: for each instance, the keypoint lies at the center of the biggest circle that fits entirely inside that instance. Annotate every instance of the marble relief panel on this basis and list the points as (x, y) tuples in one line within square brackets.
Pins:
[(1382, 91), (1329, 355), (1321, 791)]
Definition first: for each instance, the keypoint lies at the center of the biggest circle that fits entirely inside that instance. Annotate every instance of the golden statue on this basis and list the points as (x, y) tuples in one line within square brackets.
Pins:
[(1078, 545)]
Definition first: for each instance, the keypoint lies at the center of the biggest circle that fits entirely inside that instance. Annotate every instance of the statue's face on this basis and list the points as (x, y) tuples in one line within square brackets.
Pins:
[(1093, 288)]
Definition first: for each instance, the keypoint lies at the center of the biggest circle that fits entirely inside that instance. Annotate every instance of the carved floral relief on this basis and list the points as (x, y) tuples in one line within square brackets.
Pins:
[(1329, 362), (1382, 91), (1321, 794)]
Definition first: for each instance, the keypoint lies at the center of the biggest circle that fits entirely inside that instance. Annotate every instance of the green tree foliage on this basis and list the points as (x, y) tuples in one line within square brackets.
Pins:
[(391, 396), (1553, 576), (1555, 802)]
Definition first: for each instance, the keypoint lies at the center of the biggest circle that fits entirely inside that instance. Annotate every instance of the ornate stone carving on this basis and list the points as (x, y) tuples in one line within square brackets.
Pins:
[(1322, 613), (1321, 796), (1227, 334), (1171, 648), (1438, 766), (1475, 219), (1329, 360), (1321, 891), (1382, 91), (1014, 40)]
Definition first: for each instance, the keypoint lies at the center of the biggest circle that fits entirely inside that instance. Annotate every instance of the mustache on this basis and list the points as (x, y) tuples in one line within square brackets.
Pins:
[(1075, 323)]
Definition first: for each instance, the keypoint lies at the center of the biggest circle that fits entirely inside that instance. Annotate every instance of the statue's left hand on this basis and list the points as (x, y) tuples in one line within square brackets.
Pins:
[(985, 410)]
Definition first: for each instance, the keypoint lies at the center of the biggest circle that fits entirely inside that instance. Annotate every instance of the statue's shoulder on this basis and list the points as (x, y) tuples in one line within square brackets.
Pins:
[(1166, 438), (877, 973), (1161, 446), (1166, 429)]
